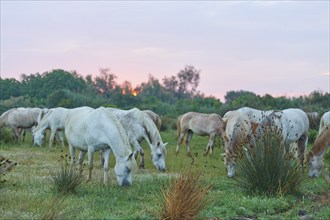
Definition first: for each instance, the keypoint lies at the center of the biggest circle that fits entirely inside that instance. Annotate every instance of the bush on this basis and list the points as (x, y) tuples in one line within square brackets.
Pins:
[(6, 136), (267, 169), (63, 180), (184, 199)]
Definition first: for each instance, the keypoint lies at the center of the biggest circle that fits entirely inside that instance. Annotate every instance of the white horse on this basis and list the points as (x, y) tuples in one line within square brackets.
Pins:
[(201, 124), (19, 118), (292, 124), (254, 115), (155, 118), (139, 126), (54, 119), (238, 132), (90, 130), (325, 120), (320, 146)]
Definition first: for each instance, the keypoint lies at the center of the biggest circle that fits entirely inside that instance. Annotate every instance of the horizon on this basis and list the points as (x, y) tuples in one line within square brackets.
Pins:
[(265, 47)]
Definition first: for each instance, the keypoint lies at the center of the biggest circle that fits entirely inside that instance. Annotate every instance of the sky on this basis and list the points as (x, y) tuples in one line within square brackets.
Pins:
[(266, 47)]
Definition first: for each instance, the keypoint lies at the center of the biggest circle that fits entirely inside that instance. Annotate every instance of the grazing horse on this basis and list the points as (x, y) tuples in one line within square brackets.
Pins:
[(292, 124), (313, 118), (154, 117), (19, 118), (53, 119), (255, 116), (320, 146), (138, 127), (90, 130), (238, 133), (201, 124), (325, 120)]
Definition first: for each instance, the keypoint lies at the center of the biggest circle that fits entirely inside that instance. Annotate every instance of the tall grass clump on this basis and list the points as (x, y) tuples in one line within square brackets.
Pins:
[(267, 169), (57, 209), (64, 180), (184, 198)]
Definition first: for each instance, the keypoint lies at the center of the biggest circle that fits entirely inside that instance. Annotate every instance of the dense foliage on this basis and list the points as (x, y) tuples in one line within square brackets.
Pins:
[(172, 96)]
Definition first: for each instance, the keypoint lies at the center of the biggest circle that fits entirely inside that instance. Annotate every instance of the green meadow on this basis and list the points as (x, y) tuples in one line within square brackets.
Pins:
[(26, 191)]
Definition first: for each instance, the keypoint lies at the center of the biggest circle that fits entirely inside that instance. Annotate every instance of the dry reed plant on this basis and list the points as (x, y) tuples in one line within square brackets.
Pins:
[(56, 209), (184, 199), (6, 165)]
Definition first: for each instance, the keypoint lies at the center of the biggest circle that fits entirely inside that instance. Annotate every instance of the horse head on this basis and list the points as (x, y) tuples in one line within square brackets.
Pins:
[(158, 156), (315, 164), (38, 136), (123, 170)]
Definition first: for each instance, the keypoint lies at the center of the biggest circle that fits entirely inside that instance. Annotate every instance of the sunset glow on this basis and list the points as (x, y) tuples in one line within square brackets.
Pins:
[(266, 47)]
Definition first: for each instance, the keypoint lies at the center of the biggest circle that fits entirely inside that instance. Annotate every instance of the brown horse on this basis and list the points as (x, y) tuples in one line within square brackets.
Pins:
[(315, 156), (201, 124), (155, 118)]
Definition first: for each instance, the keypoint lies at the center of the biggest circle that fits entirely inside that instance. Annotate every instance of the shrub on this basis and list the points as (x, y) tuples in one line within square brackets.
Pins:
[(267, 169), (6, 136), (64, 180), (184, 199)]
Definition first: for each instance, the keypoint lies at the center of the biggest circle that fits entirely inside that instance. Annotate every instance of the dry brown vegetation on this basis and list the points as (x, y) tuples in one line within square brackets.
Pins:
[(185, 198)]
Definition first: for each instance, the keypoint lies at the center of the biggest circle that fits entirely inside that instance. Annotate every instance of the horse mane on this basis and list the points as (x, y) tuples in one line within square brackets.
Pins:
[(118, 125), (322, 141), (149, 126)]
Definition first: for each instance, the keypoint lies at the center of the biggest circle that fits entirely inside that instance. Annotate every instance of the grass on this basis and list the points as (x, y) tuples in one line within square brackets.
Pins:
[(26, 194)]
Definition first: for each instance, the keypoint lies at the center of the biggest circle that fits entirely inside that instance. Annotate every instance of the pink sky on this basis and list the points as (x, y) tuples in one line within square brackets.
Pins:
[(274, 47)]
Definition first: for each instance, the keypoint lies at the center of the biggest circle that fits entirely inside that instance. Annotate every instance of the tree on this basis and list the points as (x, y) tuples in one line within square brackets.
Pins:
[(9, 87), (105, 83), (188, 80), (185, 84)]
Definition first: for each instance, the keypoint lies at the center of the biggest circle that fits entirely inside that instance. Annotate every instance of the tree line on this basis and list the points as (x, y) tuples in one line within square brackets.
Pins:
[(169, 97)]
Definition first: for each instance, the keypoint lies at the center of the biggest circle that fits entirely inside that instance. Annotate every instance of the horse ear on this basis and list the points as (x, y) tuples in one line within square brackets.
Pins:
[(130, 156)]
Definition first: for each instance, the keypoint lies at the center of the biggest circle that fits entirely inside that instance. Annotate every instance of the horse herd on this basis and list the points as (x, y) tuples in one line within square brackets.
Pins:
[(115, 130)]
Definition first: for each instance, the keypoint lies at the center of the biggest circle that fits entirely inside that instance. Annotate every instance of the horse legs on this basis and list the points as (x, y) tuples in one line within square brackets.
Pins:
[(210, 144), (90, 162), (106, 154), (302, 143), (138, 149), (73, 158), (22, 133), (51, 138), (60, 136), (80, 161), (101, 158), (180, 140), (16, 134), (189, 136)]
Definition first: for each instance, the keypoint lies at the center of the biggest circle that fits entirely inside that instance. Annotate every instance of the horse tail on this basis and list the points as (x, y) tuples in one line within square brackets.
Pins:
[(4, 118), (158, 122), (178, 125)]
